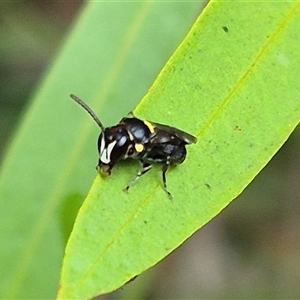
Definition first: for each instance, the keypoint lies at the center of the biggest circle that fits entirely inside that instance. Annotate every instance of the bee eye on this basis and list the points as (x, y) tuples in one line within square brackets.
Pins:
[(122, 141)]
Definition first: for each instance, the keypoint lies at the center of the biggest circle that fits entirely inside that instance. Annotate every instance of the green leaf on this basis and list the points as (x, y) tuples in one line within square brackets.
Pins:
[(110, 59), (234, 83)]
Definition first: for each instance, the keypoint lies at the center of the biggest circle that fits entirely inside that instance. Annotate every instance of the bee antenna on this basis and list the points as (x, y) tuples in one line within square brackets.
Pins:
[(89, 110)]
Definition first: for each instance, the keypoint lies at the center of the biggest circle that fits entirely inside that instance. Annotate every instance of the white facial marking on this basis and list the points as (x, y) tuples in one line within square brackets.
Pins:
[(102, 145), (105, 155)]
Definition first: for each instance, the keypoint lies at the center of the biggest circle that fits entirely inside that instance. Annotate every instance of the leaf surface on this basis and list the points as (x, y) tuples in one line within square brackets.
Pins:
[(110, 59), (233, 83)]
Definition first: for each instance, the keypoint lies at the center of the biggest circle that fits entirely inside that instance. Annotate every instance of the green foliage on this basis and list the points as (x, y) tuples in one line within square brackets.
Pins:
[(110, 59), (233, 82)]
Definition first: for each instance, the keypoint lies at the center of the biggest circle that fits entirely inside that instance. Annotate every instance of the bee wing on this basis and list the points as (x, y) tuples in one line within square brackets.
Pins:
[(186, 137)]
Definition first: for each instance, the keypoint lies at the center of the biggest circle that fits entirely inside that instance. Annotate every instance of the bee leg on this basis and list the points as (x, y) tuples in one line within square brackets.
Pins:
[(146, 168), (165, 168)]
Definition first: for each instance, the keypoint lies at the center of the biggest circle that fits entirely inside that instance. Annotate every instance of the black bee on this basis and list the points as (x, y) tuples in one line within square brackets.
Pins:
[(145, 141)]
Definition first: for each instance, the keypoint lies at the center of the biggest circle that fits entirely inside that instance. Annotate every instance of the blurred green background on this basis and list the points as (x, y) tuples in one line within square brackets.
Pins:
[(251, 250)]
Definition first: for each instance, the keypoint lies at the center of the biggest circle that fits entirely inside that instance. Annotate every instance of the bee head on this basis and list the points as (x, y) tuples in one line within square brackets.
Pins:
[(113, 145)]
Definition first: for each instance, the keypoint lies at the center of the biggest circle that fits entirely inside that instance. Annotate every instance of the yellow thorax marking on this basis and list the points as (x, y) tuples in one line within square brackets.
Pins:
[(130, 135), (150, 126), (139, 148)]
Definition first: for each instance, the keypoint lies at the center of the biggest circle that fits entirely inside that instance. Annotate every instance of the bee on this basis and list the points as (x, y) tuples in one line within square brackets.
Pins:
[(143, 140)]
